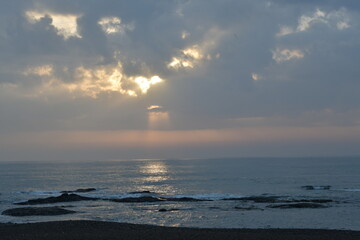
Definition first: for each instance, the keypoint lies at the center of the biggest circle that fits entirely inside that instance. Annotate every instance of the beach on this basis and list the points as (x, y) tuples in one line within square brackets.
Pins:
[(66, 230)]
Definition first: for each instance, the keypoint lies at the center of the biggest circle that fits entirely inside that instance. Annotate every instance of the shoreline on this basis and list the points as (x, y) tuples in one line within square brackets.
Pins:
[(83, 229)]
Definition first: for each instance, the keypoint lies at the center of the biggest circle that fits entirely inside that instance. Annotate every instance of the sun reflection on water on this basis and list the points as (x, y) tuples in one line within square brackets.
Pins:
[(154, 168), (154, 177)]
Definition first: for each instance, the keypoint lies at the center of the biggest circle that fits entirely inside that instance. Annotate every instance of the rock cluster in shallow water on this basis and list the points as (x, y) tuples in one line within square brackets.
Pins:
[(36, 211), (65, 197)]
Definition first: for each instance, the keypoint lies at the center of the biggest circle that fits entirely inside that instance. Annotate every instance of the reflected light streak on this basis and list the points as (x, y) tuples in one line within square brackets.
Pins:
[(154, 172), (154, 168)]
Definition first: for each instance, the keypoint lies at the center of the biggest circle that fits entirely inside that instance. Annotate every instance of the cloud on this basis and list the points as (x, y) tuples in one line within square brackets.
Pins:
[(282, 55), (338, 19), (192, 56), (66, 25), (77, 65), (156, 108), (113, 25), (94, 81), (256, 76), (43, 70)]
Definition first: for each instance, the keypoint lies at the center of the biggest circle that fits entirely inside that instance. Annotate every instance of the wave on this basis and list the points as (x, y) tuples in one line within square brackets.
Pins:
[(350, 189)]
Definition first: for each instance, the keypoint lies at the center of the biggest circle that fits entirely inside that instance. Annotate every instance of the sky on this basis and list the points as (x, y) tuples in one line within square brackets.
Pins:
[(116, 79)]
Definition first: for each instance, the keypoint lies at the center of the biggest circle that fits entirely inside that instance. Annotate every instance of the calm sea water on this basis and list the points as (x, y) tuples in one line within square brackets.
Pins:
[(213, 179)]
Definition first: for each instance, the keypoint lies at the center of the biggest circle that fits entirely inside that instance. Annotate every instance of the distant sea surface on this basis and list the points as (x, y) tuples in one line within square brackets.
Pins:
[(235, 193)]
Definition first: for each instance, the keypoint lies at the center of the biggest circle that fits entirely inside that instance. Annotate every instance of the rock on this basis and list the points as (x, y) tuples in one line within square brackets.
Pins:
[(298, 205), (257, 199), (65, 197), (309, 187), (156, 199), (248, 208), (185, 199), (168, 210), (80, 190), (140, 192), (308, 201), (138, 199), (36, 211)]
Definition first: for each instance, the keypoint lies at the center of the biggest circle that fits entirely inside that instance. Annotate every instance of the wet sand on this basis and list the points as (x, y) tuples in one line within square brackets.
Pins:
[(88, 230)]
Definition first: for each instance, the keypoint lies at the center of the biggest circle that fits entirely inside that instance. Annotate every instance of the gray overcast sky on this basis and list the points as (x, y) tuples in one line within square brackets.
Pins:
[(87, 79)]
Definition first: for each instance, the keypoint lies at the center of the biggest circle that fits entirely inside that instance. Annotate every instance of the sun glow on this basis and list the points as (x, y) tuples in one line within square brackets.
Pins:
[(158, 117), (145, 83), (158, 120)]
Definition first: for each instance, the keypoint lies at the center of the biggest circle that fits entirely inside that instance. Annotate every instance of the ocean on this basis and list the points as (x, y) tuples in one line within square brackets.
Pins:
[(221, 193)]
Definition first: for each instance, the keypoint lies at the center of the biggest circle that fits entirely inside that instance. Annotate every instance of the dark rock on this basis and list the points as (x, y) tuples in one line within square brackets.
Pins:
[(138, 199), (168, 210), (156, 199), (36, 211), (298, 205), (80, 190), (65, 197), (308, 201), (247, 208), (139, 192), (257, 199), (310, 187), (185, 199)]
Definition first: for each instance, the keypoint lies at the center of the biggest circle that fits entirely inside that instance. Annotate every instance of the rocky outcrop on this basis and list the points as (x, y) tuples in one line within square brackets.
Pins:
[(168, 210), (310, 187), (138, 199), (308, 201), (156, 199), (298, 205), (247, 208), (140, 192), (185, 199), (257, 199), (80, 190), (277, 199), (65, 197), (36, 211)]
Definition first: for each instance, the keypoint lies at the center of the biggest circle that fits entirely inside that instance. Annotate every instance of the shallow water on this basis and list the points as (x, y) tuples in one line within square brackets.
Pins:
[(208, 179)]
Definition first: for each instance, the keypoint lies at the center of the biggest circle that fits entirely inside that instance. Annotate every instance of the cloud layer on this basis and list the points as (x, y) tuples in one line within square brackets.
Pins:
[(202, 65)]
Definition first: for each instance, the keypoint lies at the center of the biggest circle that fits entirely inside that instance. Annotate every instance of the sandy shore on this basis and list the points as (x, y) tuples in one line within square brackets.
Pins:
[(89, 230)]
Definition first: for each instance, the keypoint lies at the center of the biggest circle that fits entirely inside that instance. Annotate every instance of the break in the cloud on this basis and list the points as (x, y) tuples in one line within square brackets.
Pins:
[(192, 56), (157, 72), (66, 25)]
